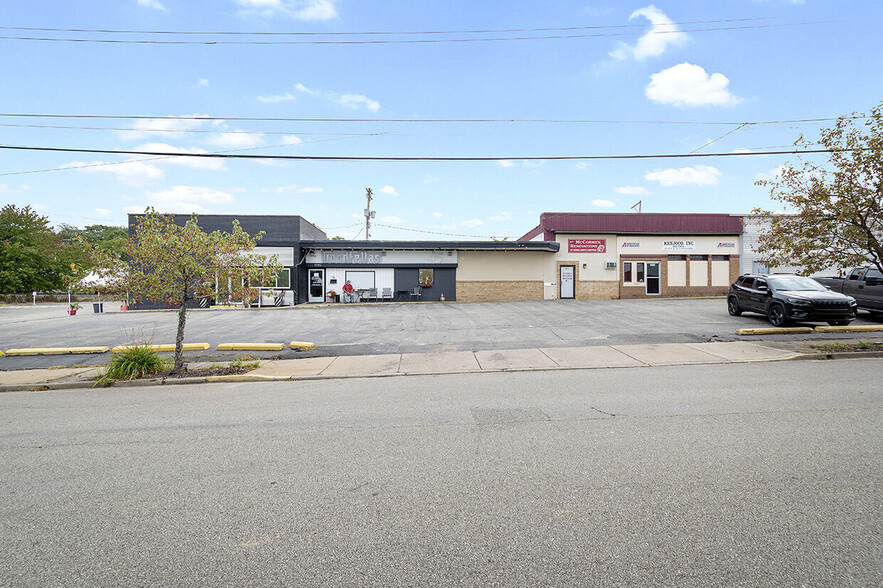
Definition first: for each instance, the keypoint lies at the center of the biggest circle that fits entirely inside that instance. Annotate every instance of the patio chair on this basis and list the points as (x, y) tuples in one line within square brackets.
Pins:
[(371, 296), (387, 294), (416, 293)]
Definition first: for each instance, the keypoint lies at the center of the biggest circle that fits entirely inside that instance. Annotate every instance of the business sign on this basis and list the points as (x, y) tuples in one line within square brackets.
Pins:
[(678, 245), (587, 245), (630, 245), (353, 257), (723, 245)]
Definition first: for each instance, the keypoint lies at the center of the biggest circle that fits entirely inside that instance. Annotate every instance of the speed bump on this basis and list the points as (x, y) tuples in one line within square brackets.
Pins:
[(55, 350), (250, 347), (302, 345), (849, 329), (775, 331), (185, 347)]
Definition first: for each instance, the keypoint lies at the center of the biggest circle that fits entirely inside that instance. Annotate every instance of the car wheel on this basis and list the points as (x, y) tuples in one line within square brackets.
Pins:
[(839, 323), (733, 306), (776, 315)]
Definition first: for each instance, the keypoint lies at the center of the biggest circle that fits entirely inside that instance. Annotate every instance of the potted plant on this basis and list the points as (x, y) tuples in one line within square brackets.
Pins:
[(73, 308)]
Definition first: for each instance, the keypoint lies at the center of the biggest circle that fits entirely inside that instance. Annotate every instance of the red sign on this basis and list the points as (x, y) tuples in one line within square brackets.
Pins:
[(587, 245)]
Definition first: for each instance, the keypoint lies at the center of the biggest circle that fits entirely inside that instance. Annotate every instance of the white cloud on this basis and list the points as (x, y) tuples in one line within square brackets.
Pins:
[(357, 101), (505, 163), (392, 219), (168, 126), (277, 98), (102, 212), (128, 172), (700, 175), (3, 187), (152, 4), (292, 140), (389, 190), (202, 83), (301, 88), (430, 179), (191, 162), (687, 85), (654, 43), (299, 9), (603, 203), (632, 190), (473, 222), (773, 174), (236, 139), (294, 189), (503, 216), (437, 214), (186, 199), (742, 150)]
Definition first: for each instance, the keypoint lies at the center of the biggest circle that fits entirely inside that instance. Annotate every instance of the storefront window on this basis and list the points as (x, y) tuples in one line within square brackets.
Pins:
[(425, 278), (283, 278), (640, 272), (627, 272)]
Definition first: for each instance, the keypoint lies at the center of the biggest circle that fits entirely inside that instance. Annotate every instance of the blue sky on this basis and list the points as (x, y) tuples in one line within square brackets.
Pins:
[(661, 76)]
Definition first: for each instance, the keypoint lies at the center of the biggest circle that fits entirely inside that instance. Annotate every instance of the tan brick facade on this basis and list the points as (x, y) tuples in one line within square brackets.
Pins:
[(638, 291), (499, 290), (597, 290)]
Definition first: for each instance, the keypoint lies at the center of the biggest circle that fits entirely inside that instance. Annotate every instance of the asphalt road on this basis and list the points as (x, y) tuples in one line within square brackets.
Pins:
[(745, 474), (383, 328)]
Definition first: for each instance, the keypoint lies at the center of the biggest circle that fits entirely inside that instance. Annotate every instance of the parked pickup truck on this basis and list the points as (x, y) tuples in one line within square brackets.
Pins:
[(865, 284)]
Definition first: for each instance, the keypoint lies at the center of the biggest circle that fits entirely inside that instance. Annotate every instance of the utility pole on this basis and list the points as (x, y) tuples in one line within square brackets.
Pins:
[(369, 214)]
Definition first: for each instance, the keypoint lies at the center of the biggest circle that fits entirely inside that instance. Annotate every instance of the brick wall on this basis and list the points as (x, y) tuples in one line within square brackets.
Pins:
[(597, 290), (499, 291)]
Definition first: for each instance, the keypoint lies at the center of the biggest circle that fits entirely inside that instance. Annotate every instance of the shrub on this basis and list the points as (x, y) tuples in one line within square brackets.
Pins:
[(137, 361)]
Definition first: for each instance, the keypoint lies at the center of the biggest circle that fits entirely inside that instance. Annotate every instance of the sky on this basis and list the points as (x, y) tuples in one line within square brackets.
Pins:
[(503, 87)]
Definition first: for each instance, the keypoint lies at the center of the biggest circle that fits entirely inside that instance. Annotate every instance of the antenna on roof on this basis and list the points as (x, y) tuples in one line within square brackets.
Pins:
[(638, 206), (369, 214)]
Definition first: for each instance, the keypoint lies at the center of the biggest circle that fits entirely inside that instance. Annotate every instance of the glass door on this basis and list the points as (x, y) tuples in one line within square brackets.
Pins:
[(316, 278), (652, 277)]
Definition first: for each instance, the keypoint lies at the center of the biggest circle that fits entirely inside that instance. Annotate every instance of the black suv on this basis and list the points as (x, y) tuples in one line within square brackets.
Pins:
[(783, 298)]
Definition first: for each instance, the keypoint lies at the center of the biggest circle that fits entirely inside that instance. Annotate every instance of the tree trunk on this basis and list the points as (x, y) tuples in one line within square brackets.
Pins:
[(179, 338)]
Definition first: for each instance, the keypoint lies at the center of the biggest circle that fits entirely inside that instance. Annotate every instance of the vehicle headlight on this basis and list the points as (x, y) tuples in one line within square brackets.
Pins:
[(798, 301)]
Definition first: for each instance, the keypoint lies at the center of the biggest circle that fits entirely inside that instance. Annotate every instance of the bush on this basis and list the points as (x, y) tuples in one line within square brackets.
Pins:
[(137, 361)]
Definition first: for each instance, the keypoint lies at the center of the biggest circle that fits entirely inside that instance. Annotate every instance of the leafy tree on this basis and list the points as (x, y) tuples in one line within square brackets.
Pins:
[(838, 206), (32, 257), (106, 237), (175, 264)]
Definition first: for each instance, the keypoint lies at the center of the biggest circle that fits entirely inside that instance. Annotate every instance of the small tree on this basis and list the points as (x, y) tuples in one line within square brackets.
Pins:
[(175, 264), (837, 208)]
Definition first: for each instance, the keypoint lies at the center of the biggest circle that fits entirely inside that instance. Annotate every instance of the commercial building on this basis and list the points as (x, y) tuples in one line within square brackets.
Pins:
[(566, 256)]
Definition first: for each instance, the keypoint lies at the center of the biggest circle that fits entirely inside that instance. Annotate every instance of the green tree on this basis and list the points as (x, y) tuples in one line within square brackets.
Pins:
[(32, 257), (834, 210), (106, 237), (174, 264)]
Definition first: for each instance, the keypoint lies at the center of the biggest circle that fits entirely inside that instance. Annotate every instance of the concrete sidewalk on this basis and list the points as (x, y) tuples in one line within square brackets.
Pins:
[(401, 364)]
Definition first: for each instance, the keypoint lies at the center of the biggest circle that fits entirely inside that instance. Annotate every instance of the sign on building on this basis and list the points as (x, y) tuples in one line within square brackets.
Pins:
[(587, 245), (673, 245)]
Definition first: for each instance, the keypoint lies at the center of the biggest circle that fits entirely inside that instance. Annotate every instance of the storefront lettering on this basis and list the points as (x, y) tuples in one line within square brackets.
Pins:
[(678, 245), (353, 257), (726, 245), (587, 245), (632, 244)]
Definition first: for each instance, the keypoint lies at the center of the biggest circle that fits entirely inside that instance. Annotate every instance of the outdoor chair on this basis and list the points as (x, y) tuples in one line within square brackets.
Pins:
[(387, 294), (416, 293), (372, 295)]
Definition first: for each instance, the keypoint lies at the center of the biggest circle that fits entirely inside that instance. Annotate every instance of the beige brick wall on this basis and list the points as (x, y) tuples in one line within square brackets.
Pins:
[(597, 290), (499, 291)]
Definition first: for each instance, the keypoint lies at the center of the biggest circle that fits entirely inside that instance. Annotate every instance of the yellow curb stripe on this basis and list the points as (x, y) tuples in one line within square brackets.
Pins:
[(250, 347), (55, 350), (185, 347), (302, 345), (775, 331), (849, 329)]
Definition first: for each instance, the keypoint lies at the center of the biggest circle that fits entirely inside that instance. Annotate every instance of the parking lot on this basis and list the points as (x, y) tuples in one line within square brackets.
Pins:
[(360, 329)]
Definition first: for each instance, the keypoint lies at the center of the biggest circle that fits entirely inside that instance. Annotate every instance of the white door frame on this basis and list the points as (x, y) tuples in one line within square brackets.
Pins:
[(311, 273), (571, 283), (647, 278)]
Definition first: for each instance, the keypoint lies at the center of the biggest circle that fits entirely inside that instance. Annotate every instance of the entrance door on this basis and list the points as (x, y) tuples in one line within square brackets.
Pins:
[(317, 285), (653, 277), (566, 281)]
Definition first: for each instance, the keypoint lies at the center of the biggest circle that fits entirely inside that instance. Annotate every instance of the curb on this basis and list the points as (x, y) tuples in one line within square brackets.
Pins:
[(848, 329), (55, 351), (249, 347), (775, 331)]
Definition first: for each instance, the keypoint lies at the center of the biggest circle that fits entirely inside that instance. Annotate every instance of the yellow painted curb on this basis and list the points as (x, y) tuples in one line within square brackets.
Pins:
[(1, 354), (186, 347), (775, 331), (250, 347), (848, 329), (302, 345), (56, 350)]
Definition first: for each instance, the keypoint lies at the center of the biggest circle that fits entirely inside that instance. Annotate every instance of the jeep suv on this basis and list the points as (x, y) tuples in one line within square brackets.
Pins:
[(784, 298)]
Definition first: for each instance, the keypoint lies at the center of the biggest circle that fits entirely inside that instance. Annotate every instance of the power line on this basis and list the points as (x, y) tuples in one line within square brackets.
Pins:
[(358, 33), (401, 41), (417, 159), (413, 120), (201, 131)]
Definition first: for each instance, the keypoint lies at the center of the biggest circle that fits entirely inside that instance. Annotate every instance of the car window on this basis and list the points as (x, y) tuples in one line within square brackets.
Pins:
[(874, 273), (796, 284), (758, 284), (747, 282)]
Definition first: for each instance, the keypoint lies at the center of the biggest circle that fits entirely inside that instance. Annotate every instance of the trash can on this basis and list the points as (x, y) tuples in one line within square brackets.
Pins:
[(98, 307)]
